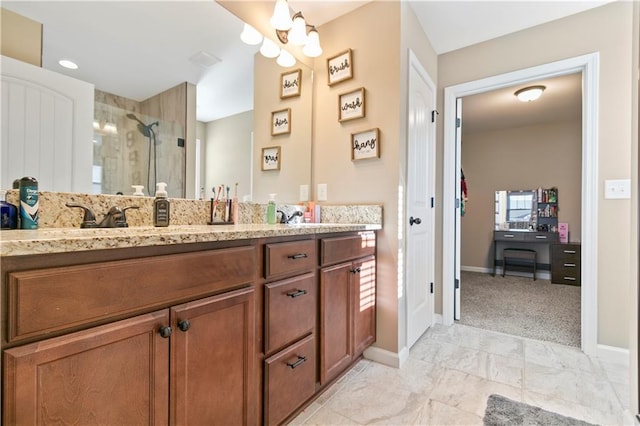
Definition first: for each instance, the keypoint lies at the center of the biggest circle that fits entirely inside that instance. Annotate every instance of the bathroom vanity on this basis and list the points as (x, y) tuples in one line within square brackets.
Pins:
[(181, 325)]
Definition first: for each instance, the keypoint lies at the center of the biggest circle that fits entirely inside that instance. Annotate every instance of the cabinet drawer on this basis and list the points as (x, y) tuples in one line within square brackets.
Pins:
[(562, 253), (340, 249), (290, 310), (289, 380), (551, 237), (289, 258), (508, 236), (57, 299)]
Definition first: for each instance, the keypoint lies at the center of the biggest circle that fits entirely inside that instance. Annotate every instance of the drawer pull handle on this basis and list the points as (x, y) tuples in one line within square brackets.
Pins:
[(569, 278), (298, 256), (541, 237), (509, 236), (355, 270), (165, 332), (301, 360), (184, 325), (297, 293), (569, 251), (570, 265)]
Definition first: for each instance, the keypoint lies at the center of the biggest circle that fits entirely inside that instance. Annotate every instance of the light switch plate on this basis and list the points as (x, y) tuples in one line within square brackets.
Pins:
[(322, 192), (304, 193), (617, 189)]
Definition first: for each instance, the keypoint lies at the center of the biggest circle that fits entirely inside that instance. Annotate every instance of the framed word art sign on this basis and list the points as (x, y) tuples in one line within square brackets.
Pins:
[(281, 122), (351, 105), (290, 83), (271, 158), (340, 67), (365, 144)]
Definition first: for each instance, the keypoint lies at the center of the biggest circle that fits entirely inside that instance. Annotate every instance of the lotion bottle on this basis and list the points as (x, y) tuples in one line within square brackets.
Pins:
[(271, 209), (161, 206)]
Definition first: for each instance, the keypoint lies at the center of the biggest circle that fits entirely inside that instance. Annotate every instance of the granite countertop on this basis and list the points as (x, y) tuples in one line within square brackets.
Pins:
[(60, 240)]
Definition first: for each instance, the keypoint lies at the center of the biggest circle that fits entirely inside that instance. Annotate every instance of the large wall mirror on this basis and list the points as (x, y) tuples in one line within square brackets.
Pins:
[(136, 51), (515, 210)]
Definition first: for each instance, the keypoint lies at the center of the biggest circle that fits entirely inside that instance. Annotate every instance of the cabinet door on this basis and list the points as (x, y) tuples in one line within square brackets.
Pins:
[(212, 360), (363, 287), (112, 374), (335, 320)]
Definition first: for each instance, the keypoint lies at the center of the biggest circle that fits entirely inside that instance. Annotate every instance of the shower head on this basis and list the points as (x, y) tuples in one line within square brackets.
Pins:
[(145, 129)]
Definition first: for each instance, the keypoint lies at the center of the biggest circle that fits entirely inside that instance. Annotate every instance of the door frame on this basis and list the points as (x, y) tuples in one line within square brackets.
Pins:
[(588, 65)]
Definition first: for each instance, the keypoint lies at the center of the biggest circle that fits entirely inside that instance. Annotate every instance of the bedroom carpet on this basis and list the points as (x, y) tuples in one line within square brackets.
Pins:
[(522, 307)]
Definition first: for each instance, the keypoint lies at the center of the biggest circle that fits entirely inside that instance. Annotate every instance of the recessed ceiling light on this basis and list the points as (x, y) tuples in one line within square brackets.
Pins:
[(530, 93), (68, 64)]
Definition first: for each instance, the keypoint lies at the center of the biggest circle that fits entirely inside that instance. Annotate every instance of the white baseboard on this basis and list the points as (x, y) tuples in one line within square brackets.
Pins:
[(613, 354), (438, 319), (543, 275), (383, 356)]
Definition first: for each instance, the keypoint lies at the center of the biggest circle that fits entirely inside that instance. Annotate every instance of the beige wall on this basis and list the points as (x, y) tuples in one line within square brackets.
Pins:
[(295, 148), (227, 153), (528, 157), (21, 38), (560, 39)]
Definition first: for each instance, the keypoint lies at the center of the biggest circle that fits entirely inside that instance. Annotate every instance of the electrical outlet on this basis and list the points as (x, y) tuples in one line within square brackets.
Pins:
[(304, 193), (617, 188), (322, 192)]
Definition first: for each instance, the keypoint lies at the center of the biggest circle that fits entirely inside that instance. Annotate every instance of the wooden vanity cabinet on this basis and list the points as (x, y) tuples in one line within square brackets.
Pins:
[(190, 362), (347, 301), (290, 314)]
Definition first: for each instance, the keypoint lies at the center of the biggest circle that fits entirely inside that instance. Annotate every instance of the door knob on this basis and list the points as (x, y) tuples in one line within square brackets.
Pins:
[(417, 221)]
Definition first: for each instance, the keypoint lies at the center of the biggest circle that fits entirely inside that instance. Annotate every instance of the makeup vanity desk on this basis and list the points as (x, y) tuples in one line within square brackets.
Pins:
[(521, 238)]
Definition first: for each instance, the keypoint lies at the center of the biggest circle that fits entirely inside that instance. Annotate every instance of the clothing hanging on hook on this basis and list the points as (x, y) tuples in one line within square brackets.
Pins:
[(463, 193)]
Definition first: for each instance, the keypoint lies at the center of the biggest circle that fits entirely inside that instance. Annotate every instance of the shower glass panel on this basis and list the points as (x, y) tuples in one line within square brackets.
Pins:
[(130, 148)]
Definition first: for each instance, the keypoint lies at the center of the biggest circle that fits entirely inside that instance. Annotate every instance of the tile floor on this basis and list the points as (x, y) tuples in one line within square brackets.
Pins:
[(453, 369)]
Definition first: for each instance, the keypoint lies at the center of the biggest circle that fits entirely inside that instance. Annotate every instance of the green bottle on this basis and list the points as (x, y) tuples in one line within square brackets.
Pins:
[(271, 209)]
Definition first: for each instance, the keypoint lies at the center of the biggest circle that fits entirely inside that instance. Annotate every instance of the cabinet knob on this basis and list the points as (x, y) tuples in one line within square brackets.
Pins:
[(184, 325), (165, 332), (355, 270)]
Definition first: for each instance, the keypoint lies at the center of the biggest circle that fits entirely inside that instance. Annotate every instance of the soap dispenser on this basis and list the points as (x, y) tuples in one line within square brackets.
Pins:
[(8, 213), (161, 206), (271, 210)]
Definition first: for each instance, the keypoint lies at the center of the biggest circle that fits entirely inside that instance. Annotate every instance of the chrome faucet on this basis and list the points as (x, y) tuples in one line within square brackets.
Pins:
[(115, 217)]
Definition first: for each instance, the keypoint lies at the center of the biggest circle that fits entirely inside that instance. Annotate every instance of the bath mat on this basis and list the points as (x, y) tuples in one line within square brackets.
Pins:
[(503, 411)]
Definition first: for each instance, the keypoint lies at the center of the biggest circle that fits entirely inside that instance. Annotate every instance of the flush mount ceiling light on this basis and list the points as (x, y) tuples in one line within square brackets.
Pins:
[(528, 94), (68, 64)]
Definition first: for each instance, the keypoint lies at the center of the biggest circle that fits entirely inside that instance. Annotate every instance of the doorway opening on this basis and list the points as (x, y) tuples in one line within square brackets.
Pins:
[(522, 162), (587, 65)]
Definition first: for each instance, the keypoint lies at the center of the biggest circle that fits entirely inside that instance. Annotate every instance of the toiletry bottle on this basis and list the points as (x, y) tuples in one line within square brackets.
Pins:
[(8, 213), (28, 203), (271, 209), (161, 206), (137, 190), (234, 205)]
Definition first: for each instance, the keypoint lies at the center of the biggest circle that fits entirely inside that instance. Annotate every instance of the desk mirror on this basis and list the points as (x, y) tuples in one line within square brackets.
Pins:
[(515, 210)]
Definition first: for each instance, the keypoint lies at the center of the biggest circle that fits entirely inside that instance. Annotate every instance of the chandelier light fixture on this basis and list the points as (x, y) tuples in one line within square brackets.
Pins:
[(294, 30), (529, 94)]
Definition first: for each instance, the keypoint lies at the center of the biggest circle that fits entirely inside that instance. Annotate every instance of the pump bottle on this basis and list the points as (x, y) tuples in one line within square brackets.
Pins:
[(161, 206), (271, 209)]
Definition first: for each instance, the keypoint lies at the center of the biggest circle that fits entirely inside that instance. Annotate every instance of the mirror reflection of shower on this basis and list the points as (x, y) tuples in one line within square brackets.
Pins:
[(133, 148), (148, 132)]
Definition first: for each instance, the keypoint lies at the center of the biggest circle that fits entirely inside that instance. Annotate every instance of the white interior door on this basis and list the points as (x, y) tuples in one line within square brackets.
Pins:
[(420, 200), (457, 284)]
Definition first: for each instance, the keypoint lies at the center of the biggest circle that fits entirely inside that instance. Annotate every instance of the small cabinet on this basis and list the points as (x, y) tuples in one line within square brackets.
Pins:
[(565, 264), (347, 301)]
